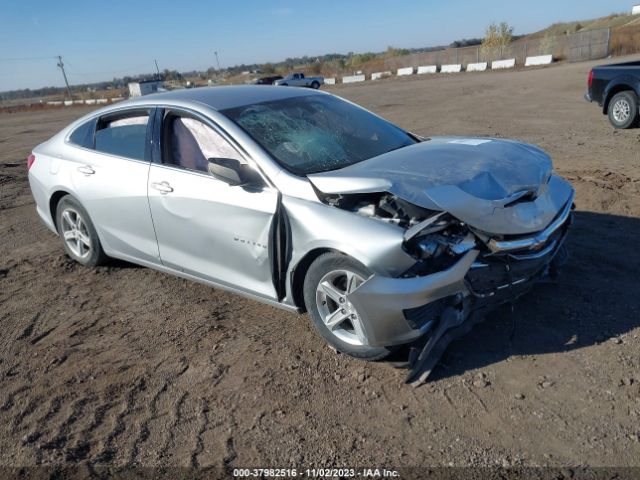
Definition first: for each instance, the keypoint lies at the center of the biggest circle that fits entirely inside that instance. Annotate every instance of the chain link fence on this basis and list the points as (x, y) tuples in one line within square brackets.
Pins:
[(574, 47)]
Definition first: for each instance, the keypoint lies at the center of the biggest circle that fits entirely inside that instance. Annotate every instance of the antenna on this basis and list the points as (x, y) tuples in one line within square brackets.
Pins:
[(64, 74)]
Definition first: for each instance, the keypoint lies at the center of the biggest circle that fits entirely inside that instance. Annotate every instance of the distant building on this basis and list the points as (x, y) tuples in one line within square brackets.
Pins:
[(635, 10), (137, 89)]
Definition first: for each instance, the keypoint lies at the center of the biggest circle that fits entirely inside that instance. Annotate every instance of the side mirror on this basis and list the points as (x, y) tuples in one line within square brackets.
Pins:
[(228, 170)]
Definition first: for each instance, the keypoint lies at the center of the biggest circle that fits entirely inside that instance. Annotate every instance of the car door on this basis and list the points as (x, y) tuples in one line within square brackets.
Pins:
[(109, 175), (206, 227)]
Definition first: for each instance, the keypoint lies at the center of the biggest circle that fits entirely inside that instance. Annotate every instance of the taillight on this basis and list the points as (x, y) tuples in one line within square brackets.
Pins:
[(30, 161), (590, 80)]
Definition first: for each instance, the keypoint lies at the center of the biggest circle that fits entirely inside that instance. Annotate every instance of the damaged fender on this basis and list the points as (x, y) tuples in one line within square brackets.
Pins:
[(383, 299)]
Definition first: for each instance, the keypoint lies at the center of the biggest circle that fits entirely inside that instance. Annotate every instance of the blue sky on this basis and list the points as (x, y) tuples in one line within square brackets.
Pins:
[(103, 39)]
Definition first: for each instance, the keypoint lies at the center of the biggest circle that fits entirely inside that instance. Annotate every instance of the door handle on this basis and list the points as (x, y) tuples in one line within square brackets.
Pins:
[(86, 169), (162, 187)]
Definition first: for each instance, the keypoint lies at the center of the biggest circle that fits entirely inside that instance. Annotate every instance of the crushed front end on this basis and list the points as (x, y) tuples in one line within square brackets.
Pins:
[(461, 274)]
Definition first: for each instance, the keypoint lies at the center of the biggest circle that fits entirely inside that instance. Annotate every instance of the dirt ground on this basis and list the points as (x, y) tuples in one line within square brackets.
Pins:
[(127, 366)]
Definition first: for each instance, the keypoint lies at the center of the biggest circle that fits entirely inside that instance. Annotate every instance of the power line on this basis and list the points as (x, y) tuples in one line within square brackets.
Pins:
[(24, 59), (110, 72)]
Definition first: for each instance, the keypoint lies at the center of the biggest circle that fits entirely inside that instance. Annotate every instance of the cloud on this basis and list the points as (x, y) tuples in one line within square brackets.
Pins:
[(282, 12)]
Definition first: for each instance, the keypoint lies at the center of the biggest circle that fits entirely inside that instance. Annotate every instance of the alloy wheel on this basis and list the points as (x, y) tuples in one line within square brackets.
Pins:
[(75, 233), (338, 313), (621, 110)]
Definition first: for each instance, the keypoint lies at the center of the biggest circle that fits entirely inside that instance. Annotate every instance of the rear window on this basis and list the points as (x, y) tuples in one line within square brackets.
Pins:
[(124, 136)]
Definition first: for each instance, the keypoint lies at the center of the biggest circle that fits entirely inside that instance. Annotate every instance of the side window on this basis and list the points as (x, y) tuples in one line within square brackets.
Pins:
[(83, 135), (123, 135), (189, 143)]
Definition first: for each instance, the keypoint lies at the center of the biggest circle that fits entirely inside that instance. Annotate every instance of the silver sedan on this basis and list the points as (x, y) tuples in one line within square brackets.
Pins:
[(303, 200)]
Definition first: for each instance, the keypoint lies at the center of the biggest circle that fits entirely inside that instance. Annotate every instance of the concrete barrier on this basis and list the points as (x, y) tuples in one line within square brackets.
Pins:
[(78, 102), (353, 79), (90, 101), (539, 60), (101, 100), (54, 102), (500, 64), (427, 69), (451, 68), (404, 71), (68, 102), (116, 99), (379, 75), (477, 67), (330, 81)]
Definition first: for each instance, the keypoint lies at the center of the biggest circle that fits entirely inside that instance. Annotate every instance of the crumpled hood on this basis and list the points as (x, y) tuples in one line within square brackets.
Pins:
[(477, 180)]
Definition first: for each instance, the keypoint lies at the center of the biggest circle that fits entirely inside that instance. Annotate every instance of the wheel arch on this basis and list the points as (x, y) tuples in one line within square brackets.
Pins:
[(299, 272), (620, 85), (53, 204)]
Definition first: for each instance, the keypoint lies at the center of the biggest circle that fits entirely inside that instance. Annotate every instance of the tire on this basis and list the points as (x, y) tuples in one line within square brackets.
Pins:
[(328, 268), (623, 110), (79, 236), (315, 85)]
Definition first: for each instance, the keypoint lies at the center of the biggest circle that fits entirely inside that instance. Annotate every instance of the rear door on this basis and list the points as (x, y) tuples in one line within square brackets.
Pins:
[(204, 226), (110, 178)]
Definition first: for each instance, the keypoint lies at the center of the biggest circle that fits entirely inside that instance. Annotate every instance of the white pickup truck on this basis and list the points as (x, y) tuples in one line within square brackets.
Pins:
[(299, 80)]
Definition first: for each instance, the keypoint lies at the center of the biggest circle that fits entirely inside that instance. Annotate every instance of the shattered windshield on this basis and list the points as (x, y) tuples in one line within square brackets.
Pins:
[(318, 133)]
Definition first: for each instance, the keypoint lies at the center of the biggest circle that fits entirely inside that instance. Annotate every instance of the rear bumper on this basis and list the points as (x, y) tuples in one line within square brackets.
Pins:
[(587, 97), (42, 202)]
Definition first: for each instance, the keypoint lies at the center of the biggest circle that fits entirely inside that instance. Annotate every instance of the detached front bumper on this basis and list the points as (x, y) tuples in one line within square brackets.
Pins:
[(451, 301), (383, 300)]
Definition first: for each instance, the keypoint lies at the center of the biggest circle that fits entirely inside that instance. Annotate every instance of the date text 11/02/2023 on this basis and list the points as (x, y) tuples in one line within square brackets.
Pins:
[(315, 473)]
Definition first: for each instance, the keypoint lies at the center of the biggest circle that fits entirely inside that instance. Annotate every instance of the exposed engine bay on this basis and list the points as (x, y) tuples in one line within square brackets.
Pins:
[(429, 234)]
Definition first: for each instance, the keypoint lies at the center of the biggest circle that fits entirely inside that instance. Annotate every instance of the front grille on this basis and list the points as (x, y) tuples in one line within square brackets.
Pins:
[(491, 273)]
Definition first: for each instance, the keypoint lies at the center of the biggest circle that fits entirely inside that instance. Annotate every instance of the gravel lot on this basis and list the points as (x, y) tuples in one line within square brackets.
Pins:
[(127, 366)]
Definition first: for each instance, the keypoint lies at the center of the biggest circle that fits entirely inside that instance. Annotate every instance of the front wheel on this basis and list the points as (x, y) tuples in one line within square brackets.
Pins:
[(329, 279), (623, 110), (78, 234), (315, 85)]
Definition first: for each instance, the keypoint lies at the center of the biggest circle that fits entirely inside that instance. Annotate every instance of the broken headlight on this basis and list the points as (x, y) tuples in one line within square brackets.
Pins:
[(438, 246)]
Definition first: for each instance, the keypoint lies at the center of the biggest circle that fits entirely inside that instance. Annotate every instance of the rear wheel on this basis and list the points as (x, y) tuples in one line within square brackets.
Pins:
[(78, 234), (315, 85), (623, 110), (329, 279)]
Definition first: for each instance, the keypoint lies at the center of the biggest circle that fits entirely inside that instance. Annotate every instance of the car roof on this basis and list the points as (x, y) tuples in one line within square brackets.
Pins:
[(224, 97)]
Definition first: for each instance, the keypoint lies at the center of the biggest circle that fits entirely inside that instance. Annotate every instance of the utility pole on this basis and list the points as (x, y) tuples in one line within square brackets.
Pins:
[(217, 61), (157, 69), (64, 74)]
